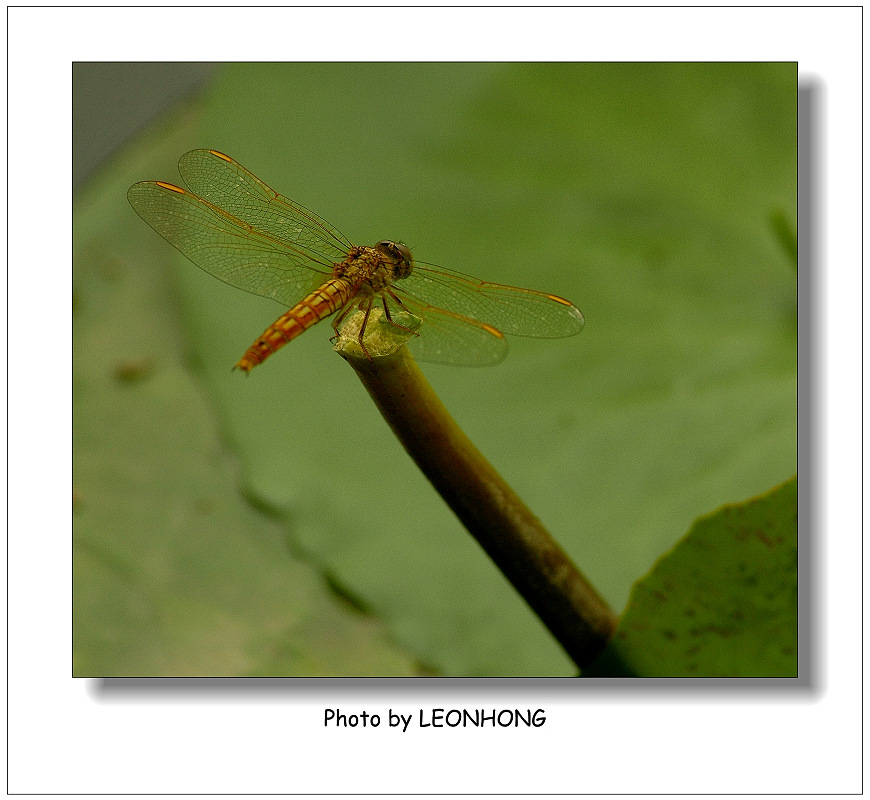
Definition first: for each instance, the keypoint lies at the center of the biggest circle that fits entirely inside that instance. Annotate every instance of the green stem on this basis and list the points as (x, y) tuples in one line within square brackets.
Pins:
[(502, 524)]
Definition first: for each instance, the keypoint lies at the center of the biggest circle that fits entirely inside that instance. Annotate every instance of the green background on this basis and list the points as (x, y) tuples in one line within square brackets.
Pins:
[(272, 525)]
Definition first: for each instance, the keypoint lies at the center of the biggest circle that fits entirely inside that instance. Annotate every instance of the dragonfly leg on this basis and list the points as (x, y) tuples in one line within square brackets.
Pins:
[(401, 305), (396, 299), (338, 319), (342, 315), (362, 330)]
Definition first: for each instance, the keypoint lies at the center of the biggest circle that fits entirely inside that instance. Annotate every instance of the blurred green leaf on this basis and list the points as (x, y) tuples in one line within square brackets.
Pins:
[(722, 603), (643, 193)]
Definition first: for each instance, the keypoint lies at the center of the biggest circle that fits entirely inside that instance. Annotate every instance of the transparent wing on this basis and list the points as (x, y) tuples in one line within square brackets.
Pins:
[(227, 247), (228, 185), (448, 338), (520, 312)]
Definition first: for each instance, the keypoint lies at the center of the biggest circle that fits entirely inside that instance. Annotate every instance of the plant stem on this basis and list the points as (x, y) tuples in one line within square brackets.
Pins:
[(502, 524)]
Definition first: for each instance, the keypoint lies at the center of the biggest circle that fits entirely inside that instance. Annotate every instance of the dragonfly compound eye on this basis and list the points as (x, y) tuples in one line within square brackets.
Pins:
[(396, 250), (399, 254), (404, 252)]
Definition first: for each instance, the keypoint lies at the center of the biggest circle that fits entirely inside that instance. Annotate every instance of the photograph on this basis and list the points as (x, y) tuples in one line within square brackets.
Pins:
[(460, 370)]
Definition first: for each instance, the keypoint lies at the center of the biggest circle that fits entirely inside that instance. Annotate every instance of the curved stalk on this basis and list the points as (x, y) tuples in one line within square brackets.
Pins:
[(503, 525)]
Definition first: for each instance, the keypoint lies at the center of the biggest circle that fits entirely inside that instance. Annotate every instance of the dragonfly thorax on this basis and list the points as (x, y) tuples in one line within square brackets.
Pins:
[(375, 268)]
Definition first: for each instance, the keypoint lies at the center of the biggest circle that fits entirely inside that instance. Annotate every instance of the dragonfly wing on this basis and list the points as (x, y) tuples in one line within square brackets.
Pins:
[(223, 246), (447, 338), (228, 185), (520, 312)]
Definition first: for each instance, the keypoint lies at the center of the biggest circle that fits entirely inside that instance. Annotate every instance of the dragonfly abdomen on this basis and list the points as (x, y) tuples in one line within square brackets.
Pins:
[(314, 307)]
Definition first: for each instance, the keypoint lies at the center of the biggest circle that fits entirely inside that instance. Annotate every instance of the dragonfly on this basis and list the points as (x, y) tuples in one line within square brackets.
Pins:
[(232, 225)]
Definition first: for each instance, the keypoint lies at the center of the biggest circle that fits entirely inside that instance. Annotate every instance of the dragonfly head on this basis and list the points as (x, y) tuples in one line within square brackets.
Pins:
[(399, 254)]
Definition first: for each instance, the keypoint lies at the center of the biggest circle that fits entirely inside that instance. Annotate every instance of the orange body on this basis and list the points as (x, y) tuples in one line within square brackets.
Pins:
[(313, 308)]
